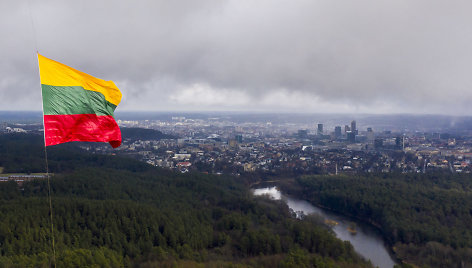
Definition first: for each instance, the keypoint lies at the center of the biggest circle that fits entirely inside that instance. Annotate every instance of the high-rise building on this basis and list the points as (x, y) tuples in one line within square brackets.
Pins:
[(370, 134), (320, 129), (346, 129), (351, 137), (353, 127), (238, 138), (302, 133), (337, 132)]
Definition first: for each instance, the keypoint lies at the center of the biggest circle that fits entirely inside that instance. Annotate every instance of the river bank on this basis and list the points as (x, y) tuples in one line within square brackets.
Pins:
[(366, 240)]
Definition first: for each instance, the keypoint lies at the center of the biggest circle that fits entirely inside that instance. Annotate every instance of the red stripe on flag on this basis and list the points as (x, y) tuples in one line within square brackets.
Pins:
[(81, 127)]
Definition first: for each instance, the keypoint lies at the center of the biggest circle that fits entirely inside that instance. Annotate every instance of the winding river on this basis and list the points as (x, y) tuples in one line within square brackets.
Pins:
[(365, 239)]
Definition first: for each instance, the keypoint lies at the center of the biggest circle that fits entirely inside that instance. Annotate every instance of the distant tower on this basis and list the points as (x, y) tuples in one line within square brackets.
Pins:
[(346, 129), (351, 137), (353, 127), (337, 132), (370, 134), (320, 129)]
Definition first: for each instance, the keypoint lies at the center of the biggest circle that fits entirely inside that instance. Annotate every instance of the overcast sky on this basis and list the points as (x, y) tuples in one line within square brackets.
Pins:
[(363, 56)]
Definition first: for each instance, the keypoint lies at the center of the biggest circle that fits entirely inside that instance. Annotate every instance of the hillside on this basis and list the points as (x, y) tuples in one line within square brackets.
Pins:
[(113, 212), (143, 134)]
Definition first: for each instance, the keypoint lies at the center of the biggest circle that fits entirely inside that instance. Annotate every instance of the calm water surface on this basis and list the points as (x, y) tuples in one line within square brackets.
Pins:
[(367, 241)]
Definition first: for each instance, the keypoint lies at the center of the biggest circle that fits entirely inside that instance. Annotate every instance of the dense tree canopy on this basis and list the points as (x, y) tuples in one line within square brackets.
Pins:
[(426, 217), (111, 212)]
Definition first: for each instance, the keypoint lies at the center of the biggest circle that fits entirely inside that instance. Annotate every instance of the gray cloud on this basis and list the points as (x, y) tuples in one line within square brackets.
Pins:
[(321, 56)]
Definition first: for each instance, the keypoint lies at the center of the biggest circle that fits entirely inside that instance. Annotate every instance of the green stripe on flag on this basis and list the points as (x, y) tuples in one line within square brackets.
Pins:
[(65, 100)]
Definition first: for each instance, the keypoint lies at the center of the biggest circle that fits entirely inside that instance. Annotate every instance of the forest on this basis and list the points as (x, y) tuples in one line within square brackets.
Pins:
[(134, 133), (426, 218), (111, 211)]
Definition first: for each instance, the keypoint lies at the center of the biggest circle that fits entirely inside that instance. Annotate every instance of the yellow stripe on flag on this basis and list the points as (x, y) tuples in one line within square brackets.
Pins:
[(54, 73)]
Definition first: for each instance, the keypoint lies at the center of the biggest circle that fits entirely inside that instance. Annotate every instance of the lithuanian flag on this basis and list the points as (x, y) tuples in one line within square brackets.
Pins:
[(77, 106)]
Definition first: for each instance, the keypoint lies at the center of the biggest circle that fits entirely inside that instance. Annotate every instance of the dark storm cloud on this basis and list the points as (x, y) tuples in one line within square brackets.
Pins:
[(350, 56)]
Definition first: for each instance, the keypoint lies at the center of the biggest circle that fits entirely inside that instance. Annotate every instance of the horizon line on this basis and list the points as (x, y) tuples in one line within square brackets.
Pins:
[(258, 112)]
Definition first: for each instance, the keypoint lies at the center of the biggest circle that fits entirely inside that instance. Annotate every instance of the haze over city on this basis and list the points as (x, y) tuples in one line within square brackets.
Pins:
[(270, 56)]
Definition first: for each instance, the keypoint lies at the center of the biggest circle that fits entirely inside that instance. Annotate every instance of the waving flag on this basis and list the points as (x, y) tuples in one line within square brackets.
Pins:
[(77, 106)]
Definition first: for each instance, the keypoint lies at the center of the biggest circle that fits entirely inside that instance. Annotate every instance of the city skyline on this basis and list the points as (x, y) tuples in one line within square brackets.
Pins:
[(270, 56)]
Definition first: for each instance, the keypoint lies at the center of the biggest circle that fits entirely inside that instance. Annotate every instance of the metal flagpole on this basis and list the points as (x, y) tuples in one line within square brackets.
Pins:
[(50, 203), (47, 173), (45, 150), (48, 176)]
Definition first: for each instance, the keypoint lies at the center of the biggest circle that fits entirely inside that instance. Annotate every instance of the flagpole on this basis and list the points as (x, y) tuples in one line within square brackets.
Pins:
[(50, 207), (47, 172)]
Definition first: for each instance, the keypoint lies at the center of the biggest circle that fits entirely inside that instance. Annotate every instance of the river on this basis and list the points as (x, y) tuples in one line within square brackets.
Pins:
[(366, 241)]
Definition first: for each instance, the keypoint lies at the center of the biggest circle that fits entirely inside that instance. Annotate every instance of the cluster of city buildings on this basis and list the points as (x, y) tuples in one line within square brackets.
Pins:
[(216, 145), (221, 145)]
